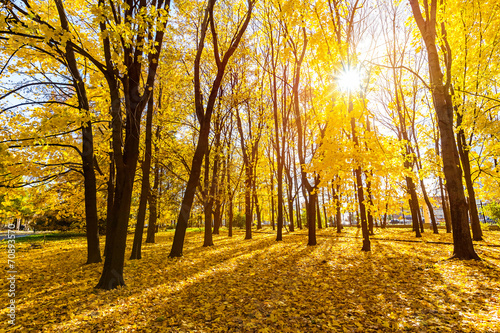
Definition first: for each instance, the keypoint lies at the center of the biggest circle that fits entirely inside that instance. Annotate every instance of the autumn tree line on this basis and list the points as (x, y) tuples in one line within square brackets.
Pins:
[(135, 112)]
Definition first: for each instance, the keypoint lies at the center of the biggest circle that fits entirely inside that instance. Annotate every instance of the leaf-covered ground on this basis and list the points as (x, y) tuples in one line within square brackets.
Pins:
[(260, 285)]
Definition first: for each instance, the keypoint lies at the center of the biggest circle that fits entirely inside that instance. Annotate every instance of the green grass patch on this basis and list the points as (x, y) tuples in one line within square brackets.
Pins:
[(56, 236)]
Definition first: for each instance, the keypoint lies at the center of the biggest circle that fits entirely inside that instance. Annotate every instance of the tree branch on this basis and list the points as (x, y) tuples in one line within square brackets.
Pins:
[(49, 144)]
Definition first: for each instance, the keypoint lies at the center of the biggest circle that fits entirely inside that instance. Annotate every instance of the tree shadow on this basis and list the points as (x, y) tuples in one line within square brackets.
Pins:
[(246, 286)]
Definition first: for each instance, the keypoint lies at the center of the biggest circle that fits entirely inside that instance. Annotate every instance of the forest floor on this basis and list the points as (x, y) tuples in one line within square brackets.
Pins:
[(261, 285)]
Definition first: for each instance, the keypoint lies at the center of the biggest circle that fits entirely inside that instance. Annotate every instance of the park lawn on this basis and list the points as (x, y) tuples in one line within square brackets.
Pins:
[(260, 285)]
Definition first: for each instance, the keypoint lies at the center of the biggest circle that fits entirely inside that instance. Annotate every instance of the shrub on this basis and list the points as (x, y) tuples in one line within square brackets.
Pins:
[(239, 220), (492, 210), (53, 221)]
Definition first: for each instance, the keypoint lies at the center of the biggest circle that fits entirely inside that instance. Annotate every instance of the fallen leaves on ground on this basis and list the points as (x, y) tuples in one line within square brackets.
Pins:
[(261, 285)]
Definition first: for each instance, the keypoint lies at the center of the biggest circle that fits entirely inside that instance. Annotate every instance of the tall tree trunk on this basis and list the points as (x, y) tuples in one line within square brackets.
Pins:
[(153, 203), (145, 186), (413, 202), (403, 136), (279, 150), (87, 154), (324, 207), (424, 192), (290, 209), (218, 201), (272, 201), (279, 180), (230, 204), (217, 217), (109, 201), (338, 214), (204, 115), (90, 188), (230, 219), (462, 241), (370, 204), (420, 219), (311, 216), (256, 202), (299, 217), (359, 186), (126, 161), (477, 233), (311, 189), (212, 185), (248, 199), (318, 213), (247, 164), (229, 190), (384, 222), (208, 240), (430, 208)]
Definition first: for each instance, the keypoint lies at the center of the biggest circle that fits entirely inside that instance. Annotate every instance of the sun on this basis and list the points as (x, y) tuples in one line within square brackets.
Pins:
[(349, 80)]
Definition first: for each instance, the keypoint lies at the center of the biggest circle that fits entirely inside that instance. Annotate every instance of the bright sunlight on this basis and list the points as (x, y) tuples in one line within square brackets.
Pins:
[(349, 80)]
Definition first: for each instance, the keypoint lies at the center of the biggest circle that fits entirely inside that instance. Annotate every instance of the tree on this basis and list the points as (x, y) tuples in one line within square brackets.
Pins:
[(249, 149), (145, 186), (443, 104), (62, 47), (153, 195), (204, 110), (474, 41), (128, 73), (312, 189)]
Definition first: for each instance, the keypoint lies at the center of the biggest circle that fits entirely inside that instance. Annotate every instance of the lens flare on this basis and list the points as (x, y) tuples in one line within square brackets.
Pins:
[(349, 80)]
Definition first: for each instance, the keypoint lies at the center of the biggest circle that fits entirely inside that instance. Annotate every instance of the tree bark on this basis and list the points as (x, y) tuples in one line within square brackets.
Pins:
[(426, 197), (324, 207), (359, 186), (370, 204), (145, 186), (462, 241), (209, 192), (311, 189), (204, 115), (299, 217), (247, 164), (218, 202), (87, 155), (110, 199), (256, 201), (126, 160), (272, 201), (318, 213), (311, 216), (430, 208), (463, 150), (279, 149), (384, 222), (290, 204), (153, 205), (413, 202), (230, 205), (338, 214)]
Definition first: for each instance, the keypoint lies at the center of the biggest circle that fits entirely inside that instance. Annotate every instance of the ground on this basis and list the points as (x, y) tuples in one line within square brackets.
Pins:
[(260, 285)]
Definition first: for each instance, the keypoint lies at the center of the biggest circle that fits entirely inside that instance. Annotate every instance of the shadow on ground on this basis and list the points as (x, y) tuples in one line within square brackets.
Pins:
[(261, 285)]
